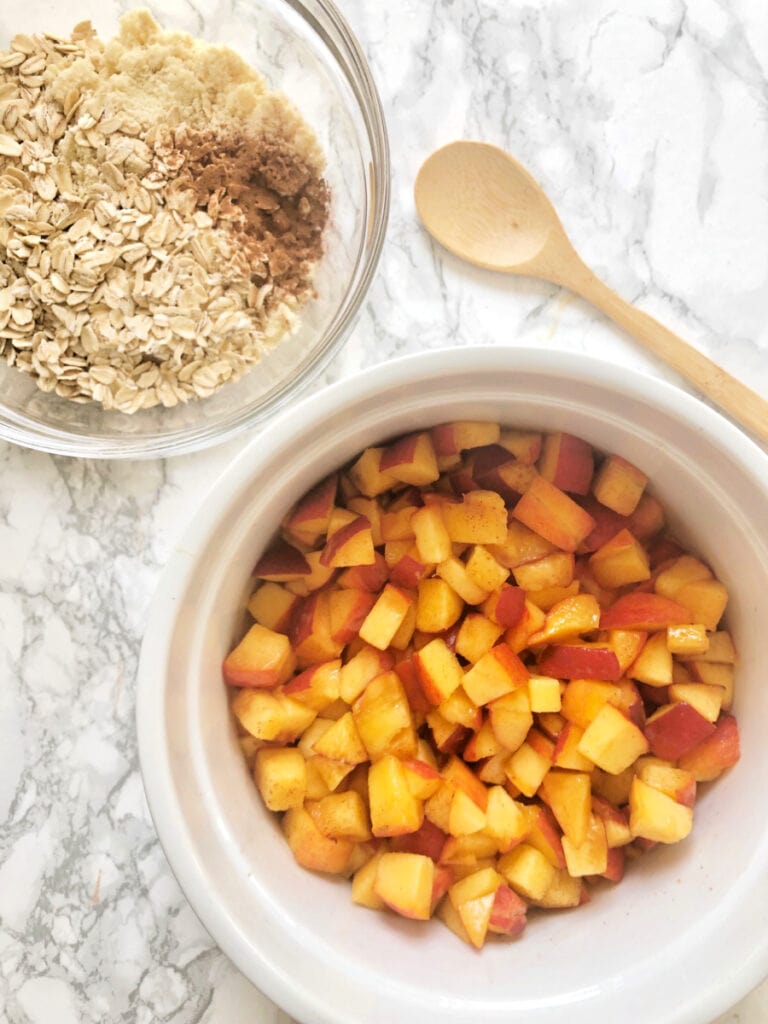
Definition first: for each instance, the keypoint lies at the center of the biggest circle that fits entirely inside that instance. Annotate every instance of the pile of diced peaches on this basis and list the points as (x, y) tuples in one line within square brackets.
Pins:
[(481, 677)]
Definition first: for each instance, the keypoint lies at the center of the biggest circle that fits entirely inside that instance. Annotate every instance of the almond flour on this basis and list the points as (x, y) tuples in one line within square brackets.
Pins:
[(161, 213)]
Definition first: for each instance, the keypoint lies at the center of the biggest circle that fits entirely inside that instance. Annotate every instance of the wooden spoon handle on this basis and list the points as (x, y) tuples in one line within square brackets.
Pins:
[(728, 393)]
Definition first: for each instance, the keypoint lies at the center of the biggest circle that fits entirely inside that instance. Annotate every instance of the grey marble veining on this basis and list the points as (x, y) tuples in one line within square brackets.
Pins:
[(648, 124)]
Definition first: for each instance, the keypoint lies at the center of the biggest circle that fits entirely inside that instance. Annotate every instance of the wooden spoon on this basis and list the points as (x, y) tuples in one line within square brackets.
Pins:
[(482, 205)]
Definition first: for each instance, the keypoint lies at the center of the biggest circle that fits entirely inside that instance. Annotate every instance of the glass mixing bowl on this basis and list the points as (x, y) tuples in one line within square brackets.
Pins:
[(306, 50)]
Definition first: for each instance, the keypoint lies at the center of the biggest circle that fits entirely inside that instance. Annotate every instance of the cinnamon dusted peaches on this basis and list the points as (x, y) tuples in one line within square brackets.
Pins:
[(481, 677)]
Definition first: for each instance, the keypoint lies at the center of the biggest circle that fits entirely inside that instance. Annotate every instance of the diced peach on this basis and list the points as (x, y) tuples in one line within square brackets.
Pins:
[(476, 636), (654, 815), (706, 699), (590, 856), (382, 716), (705, 600), (617, 831), (341, 816), (310, 847), (648, 518), (619, 485), (630, 702), (465, 817), (411, 459), (281, 775), (308, 521), (554, 570), (675, 782), (525, 445), (342, 742), (371, 509), (563, 892), (310, 633), (549, 512), (682, 570), (438, 670), (394, 810), (404, 883), (675, 729), (613, 787), (511, 718), (396, 525), (506, 822), (348, 610), (566, 461), (448, 737), (453, 438), (316, 578), (461, 777), (531, 622), (527, 870), (423, 778), (717, 752), (481, 518), (520, 545), (409, 677), (438, 606), (364, 884), (386, 617), (360, 670), (494, 674), (720, 649), (317, 686), (691, 639), (280, 563), (544, 693), (365, 577), (273, 606), (548, 597), (714, 674), (509, 477), (649, 612), (611, 741), (460, 708), (527, 768), (508, 914), (428, 840), (544, 834), (620, 561), (568, 618), (580, 661), (653, 664), (367, 475), (566, 753), (569, 796), (483, 569), (482, 744), (473, 898), (352, 544), (263, 658), (432, 540), (627, 644)]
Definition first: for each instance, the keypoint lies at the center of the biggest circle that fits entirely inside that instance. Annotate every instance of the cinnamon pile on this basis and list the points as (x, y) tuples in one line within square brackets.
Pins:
[(275, 204)]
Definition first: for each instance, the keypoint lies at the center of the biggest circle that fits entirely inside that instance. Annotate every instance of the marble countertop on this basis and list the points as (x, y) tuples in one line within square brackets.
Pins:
[(648, 123)]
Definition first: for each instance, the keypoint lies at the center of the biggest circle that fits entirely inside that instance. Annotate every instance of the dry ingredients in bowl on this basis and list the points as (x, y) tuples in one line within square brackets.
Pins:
[(161, 213)]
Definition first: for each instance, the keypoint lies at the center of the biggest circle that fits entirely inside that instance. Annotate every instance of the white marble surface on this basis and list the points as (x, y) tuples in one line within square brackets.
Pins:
[(648, 122)]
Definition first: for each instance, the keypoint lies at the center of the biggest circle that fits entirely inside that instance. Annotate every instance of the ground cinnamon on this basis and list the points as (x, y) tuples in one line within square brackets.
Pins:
[(277, 205)]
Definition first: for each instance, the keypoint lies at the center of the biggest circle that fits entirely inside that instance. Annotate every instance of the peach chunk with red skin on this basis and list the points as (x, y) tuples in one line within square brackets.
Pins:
[(548, 511), (308, 521), (567, 462)]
